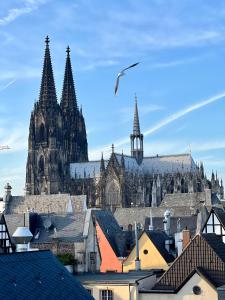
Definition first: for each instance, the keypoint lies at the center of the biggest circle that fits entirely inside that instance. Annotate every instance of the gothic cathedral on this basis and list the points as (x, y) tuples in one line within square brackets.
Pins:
[(58, 157), (57, 133)]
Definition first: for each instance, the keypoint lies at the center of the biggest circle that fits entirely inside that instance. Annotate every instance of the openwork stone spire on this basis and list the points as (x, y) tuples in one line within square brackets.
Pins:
[(136, 125), (136, 138), (68, 101), (47, 96)]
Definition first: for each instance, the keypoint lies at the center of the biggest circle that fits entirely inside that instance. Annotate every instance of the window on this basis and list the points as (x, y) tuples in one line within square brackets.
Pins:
[(130, 227), (145, 251), (89, 291), (197, 290), (106, 295), (92, 261)]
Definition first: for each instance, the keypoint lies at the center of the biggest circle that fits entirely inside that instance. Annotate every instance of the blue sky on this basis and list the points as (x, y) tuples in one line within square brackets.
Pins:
[(180, 82)]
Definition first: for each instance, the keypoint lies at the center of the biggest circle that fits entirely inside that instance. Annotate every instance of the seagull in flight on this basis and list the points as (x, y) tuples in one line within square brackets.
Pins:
[(122, 73)]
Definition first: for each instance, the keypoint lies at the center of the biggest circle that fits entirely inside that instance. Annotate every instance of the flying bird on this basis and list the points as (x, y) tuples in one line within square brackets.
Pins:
[(122, 73)]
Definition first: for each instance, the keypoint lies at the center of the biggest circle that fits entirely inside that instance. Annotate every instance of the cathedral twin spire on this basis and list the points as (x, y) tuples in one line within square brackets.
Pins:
[(69, 101), (48, 96)]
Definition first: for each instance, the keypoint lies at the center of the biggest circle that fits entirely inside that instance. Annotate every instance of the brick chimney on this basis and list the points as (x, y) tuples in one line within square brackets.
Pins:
[(186, 237)]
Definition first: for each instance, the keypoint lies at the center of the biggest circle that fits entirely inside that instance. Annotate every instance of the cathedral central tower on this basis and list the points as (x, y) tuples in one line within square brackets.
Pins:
[(136, 138)]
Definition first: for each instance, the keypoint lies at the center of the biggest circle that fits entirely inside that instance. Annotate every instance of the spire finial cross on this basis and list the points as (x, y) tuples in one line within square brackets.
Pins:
[(112, 148), (47, 40), (68, 50)]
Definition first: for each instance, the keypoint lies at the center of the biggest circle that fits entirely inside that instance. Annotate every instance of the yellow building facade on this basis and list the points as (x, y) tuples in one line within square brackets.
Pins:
[(149, 255), (116, 286), (208, 292)]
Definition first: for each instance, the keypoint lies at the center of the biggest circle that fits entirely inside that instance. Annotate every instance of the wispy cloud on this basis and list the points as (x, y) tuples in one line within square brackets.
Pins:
[(182, 113), (15, 138), (14, 13), (174, 63), (98, 63), (4, 87), (163, 123), (21, 73)]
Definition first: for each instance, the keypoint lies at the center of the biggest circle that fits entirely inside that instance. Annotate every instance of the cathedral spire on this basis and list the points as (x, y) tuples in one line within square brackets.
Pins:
[(68, 101), (47, 96), (136, 138), (136, 125)]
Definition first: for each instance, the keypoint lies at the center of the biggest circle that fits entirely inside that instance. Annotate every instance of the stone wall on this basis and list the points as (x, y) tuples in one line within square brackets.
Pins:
[(187, 199), (56, 247), (55, 203)]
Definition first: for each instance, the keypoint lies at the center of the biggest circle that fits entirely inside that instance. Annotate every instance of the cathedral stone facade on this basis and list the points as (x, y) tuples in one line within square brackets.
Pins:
[(57, 134), (58, 157)]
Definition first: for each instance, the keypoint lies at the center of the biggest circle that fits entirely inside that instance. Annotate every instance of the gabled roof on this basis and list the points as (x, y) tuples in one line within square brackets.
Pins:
[(206, 251), (112, 231), (220, 213), (37, 275), (158, 238)]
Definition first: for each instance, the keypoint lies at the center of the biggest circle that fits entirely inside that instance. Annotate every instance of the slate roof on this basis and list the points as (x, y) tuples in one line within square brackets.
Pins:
[(13, 221), (68, 228), (89, 169), (112, 231), (37, 275), (158, 238), (51, 203), (181, 163), (126, 216), (205, 252), (129, 161)]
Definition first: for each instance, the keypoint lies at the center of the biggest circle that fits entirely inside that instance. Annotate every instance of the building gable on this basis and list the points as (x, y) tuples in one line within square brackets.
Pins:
[(204, 251), (215, 222), (149, 256)]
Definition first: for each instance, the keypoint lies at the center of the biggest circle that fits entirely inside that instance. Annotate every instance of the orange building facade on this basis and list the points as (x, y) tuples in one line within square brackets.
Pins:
[(109, 260)]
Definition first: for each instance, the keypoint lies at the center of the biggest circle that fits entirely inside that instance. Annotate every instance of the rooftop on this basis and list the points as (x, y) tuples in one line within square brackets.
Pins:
[(37, 275)]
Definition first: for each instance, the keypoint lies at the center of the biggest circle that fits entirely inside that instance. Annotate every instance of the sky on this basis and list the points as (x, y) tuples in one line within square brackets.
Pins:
[(179, 83)]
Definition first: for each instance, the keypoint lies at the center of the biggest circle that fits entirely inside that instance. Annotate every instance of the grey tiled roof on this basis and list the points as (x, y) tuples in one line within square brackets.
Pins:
[(37, 275), (67, 228), (154, 165), (126, 216)]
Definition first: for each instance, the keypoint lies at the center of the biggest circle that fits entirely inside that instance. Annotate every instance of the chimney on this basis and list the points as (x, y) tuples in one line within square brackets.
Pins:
[(186, 237), (22, 237), (166, 222)]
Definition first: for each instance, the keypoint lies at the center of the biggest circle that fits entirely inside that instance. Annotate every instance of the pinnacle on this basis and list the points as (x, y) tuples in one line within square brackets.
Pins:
[(136, 125), (68, 101), (47, 92)]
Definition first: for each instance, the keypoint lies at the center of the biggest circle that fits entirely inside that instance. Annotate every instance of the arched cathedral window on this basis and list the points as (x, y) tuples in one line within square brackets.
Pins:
[(41, 135), (41, 166), (113, 194)]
